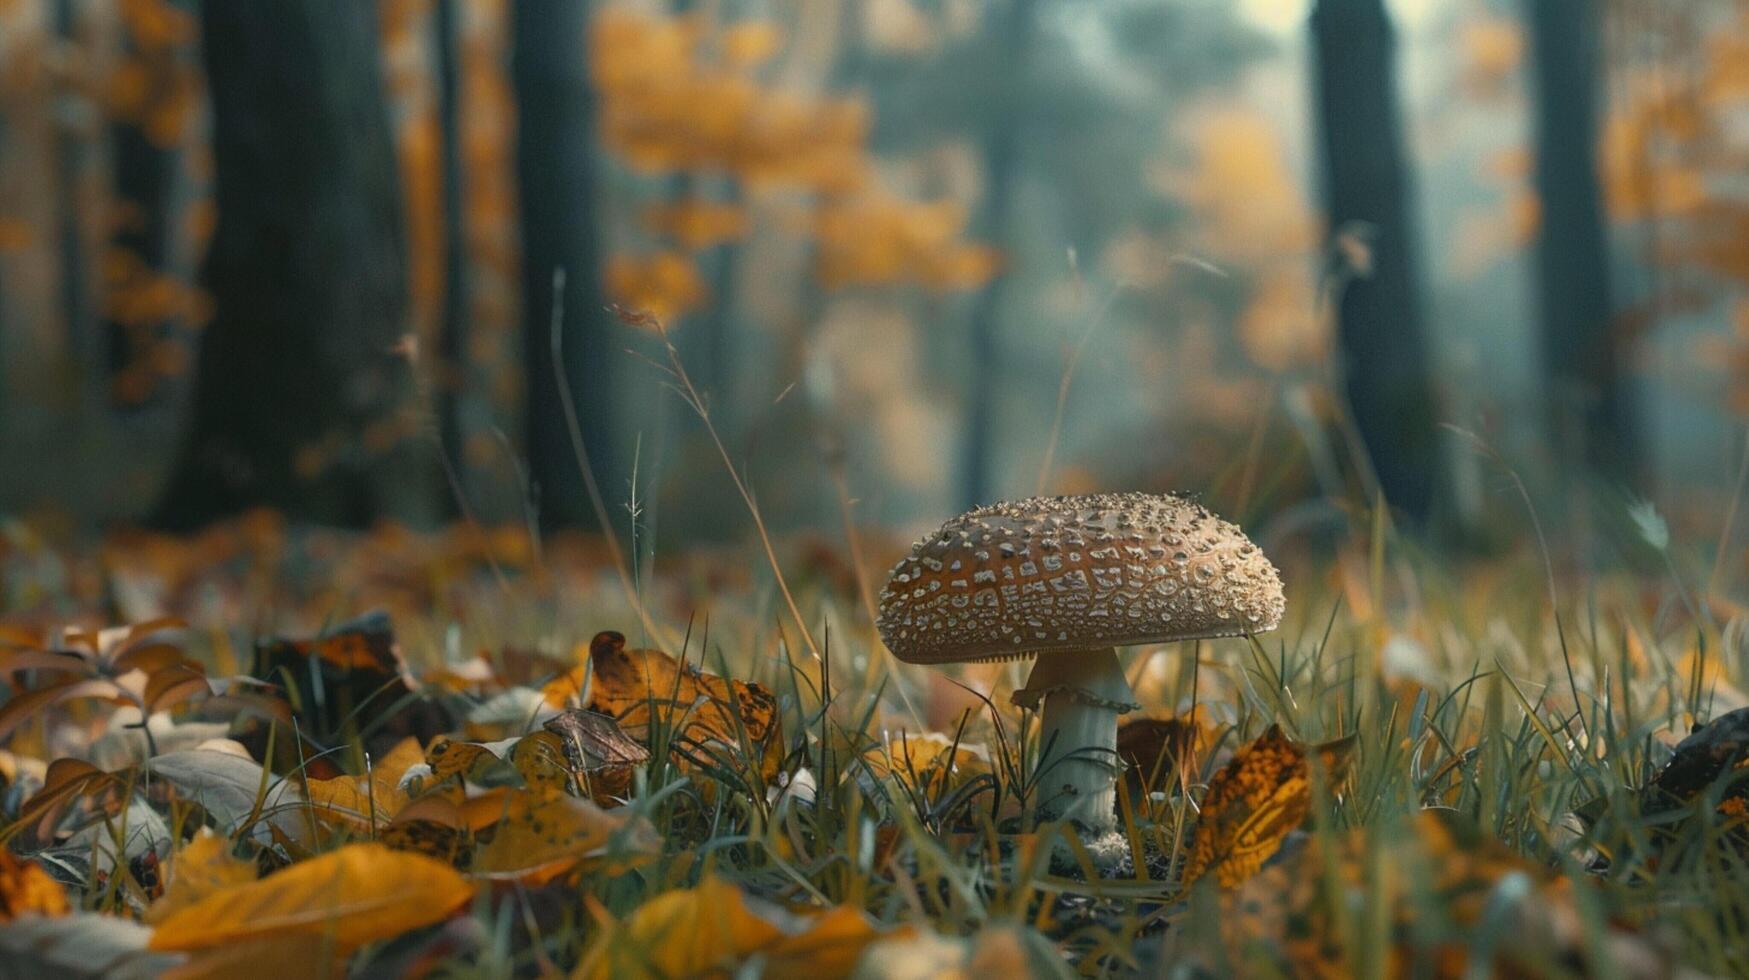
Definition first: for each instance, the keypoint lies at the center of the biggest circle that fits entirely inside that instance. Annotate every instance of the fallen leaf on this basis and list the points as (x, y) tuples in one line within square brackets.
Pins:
[(1255, 801), (264, 958), (351, 896), (202, 867), (594, 740), (548, 833), (235, 790), (26, 889), (540, 759), (350, 675), (681, 933), (641, 687)]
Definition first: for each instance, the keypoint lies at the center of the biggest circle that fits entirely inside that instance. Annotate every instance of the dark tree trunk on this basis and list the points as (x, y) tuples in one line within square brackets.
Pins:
[(71, 169), (1001, 161), (302, 397), (1591, 410), (555, 170), (1366, 195), (453, 372)]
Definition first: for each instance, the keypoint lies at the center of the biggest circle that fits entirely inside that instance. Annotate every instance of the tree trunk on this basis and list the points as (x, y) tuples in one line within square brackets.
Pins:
[(1591, 410), (302, 396), (72, 172), (1001, 161), (452, 369), (1366, 198), (555, 170)]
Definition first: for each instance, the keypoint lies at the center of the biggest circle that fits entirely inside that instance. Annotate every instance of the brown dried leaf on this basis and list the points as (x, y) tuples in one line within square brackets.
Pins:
[(1255, 801)]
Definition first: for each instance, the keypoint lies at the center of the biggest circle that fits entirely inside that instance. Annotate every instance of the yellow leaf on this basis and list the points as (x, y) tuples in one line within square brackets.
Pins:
[(540, 758), (203, 866), (351, 896), (548, 833), (703, 930)]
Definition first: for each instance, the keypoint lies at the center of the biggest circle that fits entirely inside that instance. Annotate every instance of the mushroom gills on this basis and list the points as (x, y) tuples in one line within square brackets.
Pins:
[(1080, 694)]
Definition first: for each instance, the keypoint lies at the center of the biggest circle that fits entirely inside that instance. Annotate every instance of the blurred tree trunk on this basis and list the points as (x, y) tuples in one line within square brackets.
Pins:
[(72, 166), (302, 396), (453, 372), (1001, 147), (556, 172), (1366, 198), (1591, 411)]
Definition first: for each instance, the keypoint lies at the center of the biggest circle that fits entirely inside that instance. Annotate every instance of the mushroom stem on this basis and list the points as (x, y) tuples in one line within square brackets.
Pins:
[(1083, 692)]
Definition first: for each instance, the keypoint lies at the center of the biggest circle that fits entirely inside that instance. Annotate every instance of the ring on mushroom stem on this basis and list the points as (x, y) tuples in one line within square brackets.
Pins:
[(1068, 580)]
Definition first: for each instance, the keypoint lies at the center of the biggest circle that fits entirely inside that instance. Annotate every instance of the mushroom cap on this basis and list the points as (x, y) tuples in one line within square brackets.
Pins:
[(1051, 574)]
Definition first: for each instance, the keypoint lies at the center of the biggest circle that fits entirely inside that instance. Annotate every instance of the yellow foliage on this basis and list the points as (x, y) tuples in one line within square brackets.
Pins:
[(663, 284), (697, 223), (1246, 199)]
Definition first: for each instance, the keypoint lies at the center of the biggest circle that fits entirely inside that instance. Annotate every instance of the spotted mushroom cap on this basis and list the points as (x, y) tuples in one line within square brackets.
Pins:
[(1067, 573)]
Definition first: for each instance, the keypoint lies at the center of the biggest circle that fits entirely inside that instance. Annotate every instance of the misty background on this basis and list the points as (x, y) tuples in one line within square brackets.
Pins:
[(912, 255)]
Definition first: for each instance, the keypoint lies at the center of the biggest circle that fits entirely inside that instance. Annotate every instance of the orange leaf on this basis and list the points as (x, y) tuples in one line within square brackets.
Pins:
[(26, 889), (351, 896)]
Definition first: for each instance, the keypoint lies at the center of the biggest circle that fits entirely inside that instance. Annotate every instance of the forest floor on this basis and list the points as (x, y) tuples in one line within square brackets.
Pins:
[(364, 754)]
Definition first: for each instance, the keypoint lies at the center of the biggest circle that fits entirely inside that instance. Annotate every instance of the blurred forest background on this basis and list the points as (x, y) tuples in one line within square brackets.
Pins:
[(913, 254)]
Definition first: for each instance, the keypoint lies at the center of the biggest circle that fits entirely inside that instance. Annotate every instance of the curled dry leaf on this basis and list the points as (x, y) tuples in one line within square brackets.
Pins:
[(594, 740), (1255, 801), (348, 897), (641, 687)]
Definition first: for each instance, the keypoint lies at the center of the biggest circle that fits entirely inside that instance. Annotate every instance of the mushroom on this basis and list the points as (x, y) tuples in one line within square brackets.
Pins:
[(1067, 580)]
